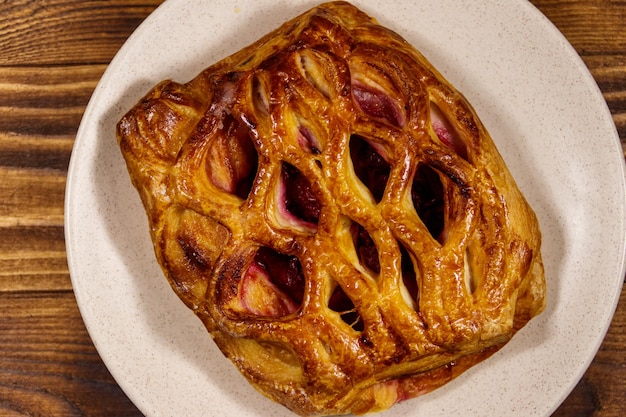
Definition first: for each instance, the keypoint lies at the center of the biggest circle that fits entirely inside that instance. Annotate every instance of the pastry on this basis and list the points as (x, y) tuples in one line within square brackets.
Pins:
[(335, 213)]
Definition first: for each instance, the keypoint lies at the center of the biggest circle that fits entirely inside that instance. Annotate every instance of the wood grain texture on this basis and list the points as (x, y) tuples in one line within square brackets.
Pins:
[(52, 54), (67, 32), (49, 365)]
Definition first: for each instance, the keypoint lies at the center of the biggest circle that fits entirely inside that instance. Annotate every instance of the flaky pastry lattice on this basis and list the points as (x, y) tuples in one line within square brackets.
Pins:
[(336, 214)]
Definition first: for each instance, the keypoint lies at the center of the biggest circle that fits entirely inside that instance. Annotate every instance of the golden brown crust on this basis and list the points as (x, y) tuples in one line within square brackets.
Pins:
[(378, 296)]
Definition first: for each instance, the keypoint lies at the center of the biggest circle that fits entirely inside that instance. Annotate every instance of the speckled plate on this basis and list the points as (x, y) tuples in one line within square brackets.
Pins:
[(531, 90)]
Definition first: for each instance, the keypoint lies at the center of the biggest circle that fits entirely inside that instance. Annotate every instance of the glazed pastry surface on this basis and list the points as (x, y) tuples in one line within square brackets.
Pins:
[(335, 213)]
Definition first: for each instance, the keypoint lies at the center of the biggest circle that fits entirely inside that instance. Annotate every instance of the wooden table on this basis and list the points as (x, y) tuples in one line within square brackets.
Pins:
[(52, 54)]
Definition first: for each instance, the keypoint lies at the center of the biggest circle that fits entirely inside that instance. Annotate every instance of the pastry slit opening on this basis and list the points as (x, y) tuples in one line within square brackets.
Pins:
[(342, 304), (232, 160), (446, 132), (471, 279), (410, 288), (365, 248), (377, 104), (273, 285), (314, 73), (260, 98), (308, 141), (427, 194), (298, 198), (370, 166)]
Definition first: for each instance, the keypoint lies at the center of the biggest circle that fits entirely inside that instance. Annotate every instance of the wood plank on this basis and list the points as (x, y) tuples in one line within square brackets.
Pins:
[(34, 271), (34, 152), (49, 365), (589, 25), (69, 85), (41, 121), (61, 32), (39, 101), (32, 197), (609, 71), (26, 240), (33, 259)]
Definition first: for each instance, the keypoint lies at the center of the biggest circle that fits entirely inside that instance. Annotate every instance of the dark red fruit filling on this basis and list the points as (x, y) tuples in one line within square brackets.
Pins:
[(369, 166), (299, 198), (308, 141), (284, 271), (343, 305), (428, 199), (365, 248), (377, 104), (446, 132), (233, 162)]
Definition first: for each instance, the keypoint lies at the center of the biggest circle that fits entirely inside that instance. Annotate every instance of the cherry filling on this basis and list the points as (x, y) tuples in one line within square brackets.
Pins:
[(273, 285), (428, 199), (308, 141), (446, 132), (299, 199), (377, 104), (369, 166), (232, 161), (284, 271), (365, 248)]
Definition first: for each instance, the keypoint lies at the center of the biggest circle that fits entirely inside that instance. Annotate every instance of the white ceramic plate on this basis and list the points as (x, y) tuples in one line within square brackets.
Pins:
[(531, 90)]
